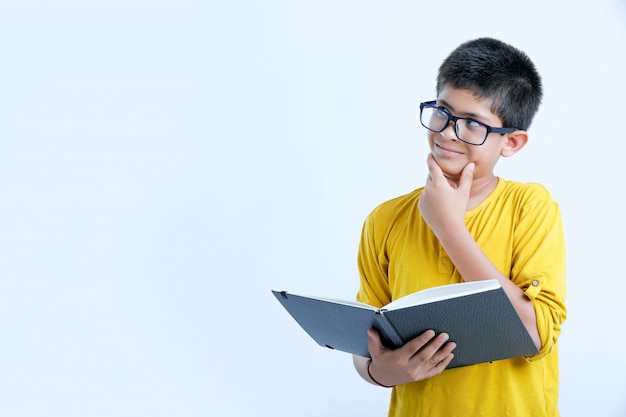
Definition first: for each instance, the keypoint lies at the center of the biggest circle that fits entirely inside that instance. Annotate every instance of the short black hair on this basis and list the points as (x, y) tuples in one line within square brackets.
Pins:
[(492, 69)]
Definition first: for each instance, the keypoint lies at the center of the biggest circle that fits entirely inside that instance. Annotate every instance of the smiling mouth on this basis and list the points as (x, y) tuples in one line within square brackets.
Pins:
[(447, 150)]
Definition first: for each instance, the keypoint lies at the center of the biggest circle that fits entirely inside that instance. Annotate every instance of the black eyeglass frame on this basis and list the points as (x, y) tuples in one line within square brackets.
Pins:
[(490, 129)]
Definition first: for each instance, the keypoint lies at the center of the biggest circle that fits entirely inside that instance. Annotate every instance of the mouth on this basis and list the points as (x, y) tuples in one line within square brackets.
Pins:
[(447, 151)]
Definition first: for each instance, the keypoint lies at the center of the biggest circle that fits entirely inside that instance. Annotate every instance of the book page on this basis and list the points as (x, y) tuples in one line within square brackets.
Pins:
[(443, 292), (336, 301)]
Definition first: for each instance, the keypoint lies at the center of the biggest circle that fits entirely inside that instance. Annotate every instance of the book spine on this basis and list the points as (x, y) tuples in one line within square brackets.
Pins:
[(388, 333)]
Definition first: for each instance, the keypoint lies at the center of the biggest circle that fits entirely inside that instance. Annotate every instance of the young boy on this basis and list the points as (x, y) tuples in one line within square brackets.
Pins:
[(466, 224)]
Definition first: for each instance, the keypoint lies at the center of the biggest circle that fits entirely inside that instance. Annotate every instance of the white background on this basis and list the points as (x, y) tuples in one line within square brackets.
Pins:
[(165, 164)]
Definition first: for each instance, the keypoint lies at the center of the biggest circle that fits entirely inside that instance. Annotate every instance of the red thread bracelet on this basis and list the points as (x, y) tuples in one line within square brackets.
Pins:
[(374, 379)]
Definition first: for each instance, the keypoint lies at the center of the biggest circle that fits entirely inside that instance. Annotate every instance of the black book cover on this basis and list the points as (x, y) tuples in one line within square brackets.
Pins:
[(478, 316)]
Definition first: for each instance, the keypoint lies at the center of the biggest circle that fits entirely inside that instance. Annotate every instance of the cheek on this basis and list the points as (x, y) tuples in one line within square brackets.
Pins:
[(430, 137), (485, 163)]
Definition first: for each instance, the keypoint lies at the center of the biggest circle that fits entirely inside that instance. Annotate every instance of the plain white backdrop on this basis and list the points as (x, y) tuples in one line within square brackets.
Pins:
[(165, 164)]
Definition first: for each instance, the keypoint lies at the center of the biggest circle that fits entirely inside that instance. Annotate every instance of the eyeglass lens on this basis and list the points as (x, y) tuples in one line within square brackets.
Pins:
[(467, 130)]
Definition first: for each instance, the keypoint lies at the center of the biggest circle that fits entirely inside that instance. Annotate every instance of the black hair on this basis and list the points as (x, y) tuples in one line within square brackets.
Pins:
[(494, 70)]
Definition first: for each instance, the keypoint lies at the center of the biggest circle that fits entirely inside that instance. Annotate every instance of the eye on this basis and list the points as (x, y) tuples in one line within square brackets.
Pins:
[(473, 124), (440, 113)]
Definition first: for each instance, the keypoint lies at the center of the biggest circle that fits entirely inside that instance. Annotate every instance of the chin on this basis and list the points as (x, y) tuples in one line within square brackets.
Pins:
[(451, 171), (452, 175)]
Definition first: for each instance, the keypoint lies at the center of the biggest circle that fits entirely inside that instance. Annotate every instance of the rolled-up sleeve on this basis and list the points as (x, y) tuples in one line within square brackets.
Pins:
[(539, 266)]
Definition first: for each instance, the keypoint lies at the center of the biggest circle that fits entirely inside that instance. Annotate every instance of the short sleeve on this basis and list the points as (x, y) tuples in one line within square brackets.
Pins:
[(373, 267)]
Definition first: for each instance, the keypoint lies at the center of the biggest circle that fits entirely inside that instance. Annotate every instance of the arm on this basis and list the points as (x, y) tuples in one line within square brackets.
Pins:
[(473, 265), (443, 205), (425, 356)]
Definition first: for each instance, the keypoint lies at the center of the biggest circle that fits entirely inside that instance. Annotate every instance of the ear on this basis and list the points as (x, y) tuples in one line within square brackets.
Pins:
[(514, 142)]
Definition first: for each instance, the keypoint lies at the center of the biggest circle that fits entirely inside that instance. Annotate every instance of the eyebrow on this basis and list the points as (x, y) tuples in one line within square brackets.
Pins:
[(478, 117)]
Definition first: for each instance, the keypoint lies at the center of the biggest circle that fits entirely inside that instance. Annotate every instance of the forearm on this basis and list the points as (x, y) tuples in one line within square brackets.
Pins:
[(360, 364), (473, 265)]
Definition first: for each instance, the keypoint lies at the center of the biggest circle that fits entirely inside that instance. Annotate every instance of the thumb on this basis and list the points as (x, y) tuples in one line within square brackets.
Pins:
[(467, 176), (374, 345)]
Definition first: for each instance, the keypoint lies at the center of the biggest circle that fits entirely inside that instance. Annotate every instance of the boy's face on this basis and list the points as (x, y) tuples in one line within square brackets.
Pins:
[(452, 154)]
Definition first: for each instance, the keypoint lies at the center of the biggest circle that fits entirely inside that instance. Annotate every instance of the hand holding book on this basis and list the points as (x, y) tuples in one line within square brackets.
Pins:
[(423, 357)]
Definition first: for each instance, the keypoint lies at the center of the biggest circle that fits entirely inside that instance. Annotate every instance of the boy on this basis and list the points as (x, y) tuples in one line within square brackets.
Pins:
[(466, 224)]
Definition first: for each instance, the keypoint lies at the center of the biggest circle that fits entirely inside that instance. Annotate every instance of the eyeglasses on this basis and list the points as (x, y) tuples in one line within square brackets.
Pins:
[(437, 119)]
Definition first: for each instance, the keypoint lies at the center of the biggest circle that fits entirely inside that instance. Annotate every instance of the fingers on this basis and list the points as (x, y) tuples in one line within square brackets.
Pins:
[(467, 176), (439, 366), (425, 356), (427, 345), (434, 171), (439, 358), (419, 342), (432, 353)]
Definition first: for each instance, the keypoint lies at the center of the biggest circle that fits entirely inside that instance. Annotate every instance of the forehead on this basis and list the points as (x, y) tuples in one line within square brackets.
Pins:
[(465, 103)]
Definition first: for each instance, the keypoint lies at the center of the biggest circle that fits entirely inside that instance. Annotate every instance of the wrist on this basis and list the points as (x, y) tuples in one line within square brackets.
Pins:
[(452, 231), (369, 373)]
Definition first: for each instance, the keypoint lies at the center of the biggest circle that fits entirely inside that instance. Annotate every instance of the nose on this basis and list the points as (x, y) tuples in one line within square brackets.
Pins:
[(450, 131)]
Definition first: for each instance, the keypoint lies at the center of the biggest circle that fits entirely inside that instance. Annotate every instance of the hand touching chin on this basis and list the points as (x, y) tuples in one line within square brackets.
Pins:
[(451, 169)]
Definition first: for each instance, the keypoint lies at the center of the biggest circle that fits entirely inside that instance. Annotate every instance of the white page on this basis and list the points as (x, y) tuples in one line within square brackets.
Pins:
[(336, 301), (443, 292)]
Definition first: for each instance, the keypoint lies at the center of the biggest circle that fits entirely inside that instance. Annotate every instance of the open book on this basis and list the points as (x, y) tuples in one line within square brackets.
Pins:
[(477, 315)]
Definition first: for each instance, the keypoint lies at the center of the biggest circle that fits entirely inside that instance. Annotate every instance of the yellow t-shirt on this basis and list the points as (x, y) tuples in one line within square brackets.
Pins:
[(519, 228)]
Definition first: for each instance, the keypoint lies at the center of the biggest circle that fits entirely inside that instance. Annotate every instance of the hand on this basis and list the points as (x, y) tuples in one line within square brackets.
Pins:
[(444, 201), (423, 357)]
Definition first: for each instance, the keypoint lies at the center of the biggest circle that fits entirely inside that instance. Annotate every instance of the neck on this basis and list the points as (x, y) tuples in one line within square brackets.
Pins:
[(481, 188)]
